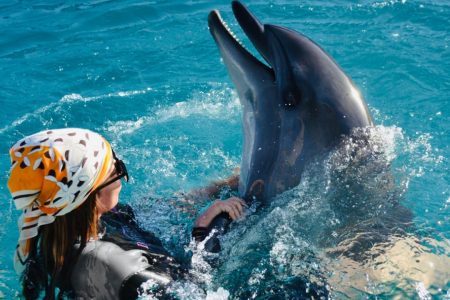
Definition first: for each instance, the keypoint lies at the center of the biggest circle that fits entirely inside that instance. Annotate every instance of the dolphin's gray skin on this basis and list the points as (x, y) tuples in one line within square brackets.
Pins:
[(293, 110)]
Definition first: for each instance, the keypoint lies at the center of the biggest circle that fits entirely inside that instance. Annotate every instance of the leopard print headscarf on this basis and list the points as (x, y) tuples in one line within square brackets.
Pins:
[(52, 173)]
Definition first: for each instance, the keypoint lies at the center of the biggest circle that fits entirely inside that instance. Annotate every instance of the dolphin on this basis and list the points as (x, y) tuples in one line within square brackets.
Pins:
[(297, 106)]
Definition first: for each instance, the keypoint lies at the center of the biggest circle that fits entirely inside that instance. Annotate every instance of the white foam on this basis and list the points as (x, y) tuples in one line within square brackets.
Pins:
[(78, 98), (199, 107), (70, 98), (220, 294), (185, 290), (127, 127), (387, 3), (148, 286), (422, 292), (164, 163), (218, 104), (27, 116)]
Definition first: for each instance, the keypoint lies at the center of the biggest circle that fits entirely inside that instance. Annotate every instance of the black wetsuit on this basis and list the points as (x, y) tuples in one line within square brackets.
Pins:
[(126, 256)]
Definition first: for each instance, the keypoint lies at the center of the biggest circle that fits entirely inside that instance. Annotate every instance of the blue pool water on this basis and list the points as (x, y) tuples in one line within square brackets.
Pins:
[(148, 76)]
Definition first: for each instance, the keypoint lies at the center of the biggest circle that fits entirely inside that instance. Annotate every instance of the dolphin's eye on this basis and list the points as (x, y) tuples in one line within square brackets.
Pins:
[(292, 97)]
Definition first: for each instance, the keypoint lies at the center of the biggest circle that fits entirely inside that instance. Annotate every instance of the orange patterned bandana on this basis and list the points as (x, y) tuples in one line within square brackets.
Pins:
[(52, 173)]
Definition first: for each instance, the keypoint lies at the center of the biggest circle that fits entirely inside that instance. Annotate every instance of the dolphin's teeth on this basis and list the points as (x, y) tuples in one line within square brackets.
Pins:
[(225, 24)]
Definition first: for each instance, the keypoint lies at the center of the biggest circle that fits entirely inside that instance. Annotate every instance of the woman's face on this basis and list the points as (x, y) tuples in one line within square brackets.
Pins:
[(108, 197)]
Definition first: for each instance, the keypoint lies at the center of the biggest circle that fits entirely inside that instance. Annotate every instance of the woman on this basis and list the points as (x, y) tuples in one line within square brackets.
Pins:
[(64, 180)]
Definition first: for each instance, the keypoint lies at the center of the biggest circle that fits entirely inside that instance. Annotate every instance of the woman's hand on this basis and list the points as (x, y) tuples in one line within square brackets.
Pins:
[(233, 206)]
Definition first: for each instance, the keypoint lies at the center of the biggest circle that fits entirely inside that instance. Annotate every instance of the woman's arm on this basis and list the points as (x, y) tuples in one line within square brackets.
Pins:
[(213, 190)]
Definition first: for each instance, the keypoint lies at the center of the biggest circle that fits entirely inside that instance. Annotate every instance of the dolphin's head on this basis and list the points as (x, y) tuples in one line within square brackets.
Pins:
[(301, 101)]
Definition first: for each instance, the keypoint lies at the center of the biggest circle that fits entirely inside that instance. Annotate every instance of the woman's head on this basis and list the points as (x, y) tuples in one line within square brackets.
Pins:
[(63, 179)]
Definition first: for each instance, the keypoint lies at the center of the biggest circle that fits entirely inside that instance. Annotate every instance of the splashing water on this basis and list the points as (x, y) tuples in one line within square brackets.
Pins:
[(346, 217), (343, 231)]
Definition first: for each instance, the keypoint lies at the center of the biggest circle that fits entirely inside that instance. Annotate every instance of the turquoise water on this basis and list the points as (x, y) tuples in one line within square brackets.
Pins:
[(148, 76)]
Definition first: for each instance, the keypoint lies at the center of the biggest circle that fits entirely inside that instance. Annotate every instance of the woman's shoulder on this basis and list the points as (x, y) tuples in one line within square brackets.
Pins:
[(98, 250), (121, 228)]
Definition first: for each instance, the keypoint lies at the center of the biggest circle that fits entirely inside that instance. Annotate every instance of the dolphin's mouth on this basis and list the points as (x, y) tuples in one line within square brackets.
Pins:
[(228, 42), (218, 26), (255, 83)]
